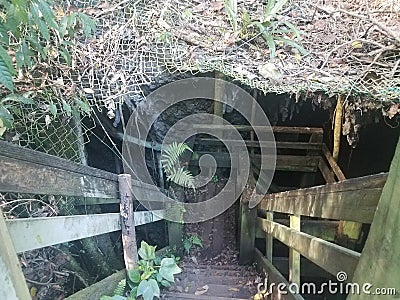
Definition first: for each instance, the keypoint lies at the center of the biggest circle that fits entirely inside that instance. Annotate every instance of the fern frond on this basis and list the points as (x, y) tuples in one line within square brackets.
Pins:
[(120, 288), (182, 177)]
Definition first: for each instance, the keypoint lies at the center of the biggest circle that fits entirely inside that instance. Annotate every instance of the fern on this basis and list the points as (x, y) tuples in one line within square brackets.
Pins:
[(170, 162), (120, 288)]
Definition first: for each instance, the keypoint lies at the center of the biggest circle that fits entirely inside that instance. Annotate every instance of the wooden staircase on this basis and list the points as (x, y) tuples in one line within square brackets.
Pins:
[(214, 282)]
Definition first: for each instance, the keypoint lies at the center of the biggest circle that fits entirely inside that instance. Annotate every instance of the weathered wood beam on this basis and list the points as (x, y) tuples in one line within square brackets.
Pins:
[(276, 129), (39, 158), (353, 200), (20, 176), (12, 281), (283, 162), (330, 257), (257, 144), (335, 167), (322, 229), (325, 171), (33, 233), (127, 222), (274, 277)]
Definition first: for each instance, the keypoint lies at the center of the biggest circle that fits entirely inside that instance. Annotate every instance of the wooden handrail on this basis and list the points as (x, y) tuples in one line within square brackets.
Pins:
[(352, 200)]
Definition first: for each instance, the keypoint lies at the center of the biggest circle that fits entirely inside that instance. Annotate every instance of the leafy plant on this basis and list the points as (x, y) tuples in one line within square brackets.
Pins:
[(151, 273), (190, 241), (34, 32), (170, 162), (272, 29)]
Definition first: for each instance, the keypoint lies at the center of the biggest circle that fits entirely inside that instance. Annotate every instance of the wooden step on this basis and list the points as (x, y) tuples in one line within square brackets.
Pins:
[(179, 296), (214, 290)]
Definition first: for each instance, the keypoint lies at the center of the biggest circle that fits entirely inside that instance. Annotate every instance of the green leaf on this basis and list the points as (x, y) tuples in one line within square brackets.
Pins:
[(67, 108), (269, 39), (165, 283), (34, 43), (277, 7), (48, 14), (148, 289), (66, 55), (268, 9), (133, 293), (7, 60), (53, 109), (169, 268), (6, 117), (231, 11), (18, 98), (106, 298), (293, 29), (147, 274), (83, 105), (187, 244), (196, 240), (146, 251), (88, 24), (292, 44), (5, 76)]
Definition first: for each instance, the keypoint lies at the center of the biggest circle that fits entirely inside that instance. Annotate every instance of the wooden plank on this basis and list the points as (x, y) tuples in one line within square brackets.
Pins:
[(294, 256), (283, 162), (353, 200), (20, 176), (322, 229), (379, 264), (258, 144), (274, 277), (34, 233), (12, 281), (335, 167), (290, 162), (276, 129), (146, 217), (269, 240), (127, 222), (22, 154), (330, 257), (98, 289), (325, 171)]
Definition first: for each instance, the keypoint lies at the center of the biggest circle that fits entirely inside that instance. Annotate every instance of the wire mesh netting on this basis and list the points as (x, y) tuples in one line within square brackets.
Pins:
[(352, 46)]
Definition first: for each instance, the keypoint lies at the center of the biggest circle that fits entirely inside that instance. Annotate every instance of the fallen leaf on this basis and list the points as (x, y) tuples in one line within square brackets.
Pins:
[(269, 70), (357, 44), (233, 289), (201, 291)]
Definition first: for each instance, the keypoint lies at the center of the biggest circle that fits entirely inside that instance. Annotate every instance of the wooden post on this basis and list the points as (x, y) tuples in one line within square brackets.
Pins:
[(12, 281), (269, 240), (247, 233), (379, 262), (127, 222), (294, 256), (337, 131)]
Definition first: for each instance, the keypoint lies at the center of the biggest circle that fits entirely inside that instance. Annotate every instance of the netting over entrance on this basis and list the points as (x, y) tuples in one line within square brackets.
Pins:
[(353, 47)]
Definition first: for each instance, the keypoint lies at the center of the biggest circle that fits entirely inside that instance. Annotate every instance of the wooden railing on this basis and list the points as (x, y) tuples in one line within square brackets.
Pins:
[(352, 200), (30, 172)]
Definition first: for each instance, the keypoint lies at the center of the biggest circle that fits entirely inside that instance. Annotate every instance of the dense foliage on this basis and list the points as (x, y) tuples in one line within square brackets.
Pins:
[(151, 273), (36, 42)]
